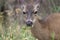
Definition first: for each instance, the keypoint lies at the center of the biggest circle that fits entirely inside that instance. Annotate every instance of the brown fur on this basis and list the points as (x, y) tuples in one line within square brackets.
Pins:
[(43, 29)]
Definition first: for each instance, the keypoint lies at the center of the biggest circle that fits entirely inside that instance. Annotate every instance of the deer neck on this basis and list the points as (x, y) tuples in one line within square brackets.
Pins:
[(39, 23)]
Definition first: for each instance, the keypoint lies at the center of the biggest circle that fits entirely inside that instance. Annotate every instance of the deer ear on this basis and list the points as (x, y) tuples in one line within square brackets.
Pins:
[(36, 7), (23, 7)]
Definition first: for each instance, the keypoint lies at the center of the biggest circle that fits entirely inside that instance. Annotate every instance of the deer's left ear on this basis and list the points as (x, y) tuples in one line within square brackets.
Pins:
[(36, 7), (36, 4)]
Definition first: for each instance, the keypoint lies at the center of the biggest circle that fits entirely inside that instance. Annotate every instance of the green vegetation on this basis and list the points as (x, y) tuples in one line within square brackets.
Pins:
[(52, 35), (14, 32)]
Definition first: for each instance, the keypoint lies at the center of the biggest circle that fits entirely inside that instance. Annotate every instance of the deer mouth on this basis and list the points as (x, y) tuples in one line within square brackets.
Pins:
[(30, 23)]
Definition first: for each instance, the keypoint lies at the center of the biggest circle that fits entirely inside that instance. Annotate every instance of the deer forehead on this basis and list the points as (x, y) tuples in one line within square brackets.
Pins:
[(31, 7)]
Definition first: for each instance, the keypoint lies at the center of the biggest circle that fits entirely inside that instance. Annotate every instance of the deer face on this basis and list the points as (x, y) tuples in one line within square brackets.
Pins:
[(30, 11)]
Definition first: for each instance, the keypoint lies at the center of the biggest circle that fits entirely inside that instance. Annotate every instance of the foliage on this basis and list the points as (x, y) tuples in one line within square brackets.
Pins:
[(14, 32)]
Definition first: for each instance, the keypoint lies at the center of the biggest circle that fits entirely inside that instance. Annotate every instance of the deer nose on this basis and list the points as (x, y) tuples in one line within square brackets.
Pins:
[(29, 23)]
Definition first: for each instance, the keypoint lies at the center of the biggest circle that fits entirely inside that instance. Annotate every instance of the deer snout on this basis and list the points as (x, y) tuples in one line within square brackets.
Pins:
[(29, 22)]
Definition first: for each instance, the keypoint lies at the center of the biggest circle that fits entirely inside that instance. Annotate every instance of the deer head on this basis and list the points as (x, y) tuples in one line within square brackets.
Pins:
[(30, 10)]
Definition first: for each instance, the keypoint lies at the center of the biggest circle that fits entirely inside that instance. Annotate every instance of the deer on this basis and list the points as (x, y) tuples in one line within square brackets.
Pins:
[(41, 28)]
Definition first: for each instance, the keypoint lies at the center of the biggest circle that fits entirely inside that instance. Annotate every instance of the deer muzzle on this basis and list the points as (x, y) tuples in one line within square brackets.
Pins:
[(29, 22)]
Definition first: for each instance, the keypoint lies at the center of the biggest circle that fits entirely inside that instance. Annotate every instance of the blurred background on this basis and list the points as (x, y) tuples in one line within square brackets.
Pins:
[(12, 26)]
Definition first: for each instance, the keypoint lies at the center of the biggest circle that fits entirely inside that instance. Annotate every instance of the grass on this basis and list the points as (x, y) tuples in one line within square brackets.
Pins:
[(14, 32), (52, 35)]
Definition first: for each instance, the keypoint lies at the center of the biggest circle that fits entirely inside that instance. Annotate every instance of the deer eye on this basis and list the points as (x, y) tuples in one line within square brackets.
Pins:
[(24, 12), (35, 12)]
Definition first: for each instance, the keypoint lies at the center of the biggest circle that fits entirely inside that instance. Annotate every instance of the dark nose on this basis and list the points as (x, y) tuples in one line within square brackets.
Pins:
[(29, 23)]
